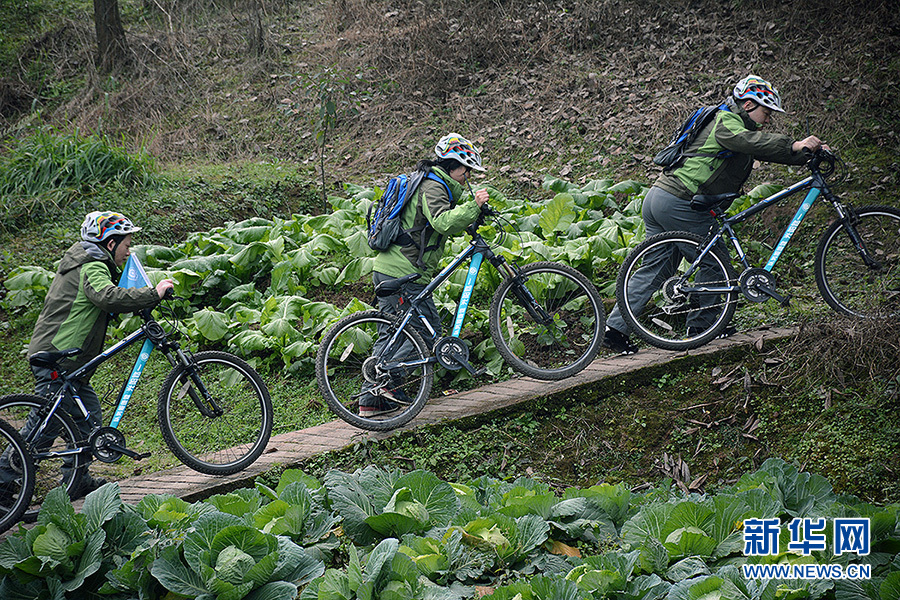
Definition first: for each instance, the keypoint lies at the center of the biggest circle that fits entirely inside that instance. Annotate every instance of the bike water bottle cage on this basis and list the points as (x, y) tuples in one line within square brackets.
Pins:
[(50, 360)]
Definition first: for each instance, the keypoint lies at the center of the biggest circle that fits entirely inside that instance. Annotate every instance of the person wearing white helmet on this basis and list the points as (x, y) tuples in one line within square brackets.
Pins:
[(718, 161), (438, 210), (76, 311)]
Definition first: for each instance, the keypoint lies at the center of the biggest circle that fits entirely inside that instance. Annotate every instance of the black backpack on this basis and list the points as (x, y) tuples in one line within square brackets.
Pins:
[(672, 155), (384, 216)]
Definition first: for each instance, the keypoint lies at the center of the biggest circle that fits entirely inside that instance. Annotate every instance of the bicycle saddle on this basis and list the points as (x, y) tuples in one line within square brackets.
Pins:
[(392, 286), (708, 201), (49, 360)]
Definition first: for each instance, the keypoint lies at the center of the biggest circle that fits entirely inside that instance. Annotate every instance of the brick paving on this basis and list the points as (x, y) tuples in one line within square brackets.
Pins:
[(292, 448)]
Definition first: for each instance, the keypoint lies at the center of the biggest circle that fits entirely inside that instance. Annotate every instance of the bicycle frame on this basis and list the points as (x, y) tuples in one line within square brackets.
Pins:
[(816, 186), (477, 250), (131, 383), (153, 336)]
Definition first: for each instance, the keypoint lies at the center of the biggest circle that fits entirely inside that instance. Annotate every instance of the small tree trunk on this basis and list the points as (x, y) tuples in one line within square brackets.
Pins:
[(256, 40), (322, 169), (112, 49)]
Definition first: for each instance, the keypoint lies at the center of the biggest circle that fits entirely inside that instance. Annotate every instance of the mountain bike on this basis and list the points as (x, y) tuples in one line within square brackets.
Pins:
[(678, 290), (213, 409), (15, 490), (546, 320)]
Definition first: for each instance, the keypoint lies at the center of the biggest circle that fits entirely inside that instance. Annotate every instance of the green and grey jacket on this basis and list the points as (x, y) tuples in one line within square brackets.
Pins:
[(734, 131), (79, 302), (430, 205)]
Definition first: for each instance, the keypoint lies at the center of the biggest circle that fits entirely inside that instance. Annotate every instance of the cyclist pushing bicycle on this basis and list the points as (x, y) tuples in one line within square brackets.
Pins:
[(375, 368), (439, 208), (718, 161), (79, 304)]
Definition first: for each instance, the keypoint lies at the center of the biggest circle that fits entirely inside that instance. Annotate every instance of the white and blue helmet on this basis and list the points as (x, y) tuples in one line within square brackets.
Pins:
[(457, 147), (98, 226), (760, 91)]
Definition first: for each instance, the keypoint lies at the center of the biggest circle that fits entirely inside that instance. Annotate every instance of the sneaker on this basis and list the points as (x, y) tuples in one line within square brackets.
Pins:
[(618, 342), (728, 332), (382, 407), (88, 484), (396, 395)]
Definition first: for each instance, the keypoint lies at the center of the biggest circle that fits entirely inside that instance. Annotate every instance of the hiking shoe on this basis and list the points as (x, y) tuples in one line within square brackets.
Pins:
[(728, 332), (381, 407), (88, 484), (618, 342), (396, 395)]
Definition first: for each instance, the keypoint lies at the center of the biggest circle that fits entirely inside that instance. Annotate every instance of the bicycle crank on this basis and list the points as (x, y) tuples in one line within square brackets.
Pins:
[(758, 285), (108, 445), (453, 354)]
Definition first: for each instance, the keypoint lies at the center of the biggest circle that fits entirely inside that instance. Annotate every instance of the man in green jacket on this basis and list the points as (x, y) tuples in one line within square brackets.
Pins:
[(720, 159), (79, 304), (438, 210)]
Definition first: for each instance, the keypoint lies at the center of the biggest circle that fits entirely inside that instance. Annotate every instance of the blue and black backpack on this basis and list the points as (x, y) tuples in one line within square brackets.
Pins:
[(672, 155), (384, 217)]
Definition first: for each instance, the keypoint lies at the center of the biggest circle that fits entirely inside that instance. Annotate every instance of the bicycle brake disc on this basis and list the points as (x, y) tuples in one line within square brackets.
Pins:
[(446, 348), (752, 280), (100, 441)]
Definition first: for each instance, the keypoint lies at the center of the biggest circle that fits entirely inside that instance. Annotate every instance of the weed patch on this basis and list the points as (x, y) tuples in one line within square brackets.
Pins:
[(41, 174)]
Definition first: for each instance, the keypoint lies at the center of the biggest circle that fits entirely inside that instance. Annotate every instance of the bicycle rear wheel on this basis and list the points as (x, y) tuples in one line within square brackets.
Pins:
[(51, 469), (347, 372), (560, 347), (847, 284), (17, 486), (215, 444), (667, 309)]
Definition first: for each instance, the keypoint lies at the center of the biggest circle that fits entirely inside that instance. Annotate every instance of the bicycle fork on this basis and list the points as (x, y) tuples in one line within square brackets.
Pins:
[(203, 400), (850, 220), (522, 293)]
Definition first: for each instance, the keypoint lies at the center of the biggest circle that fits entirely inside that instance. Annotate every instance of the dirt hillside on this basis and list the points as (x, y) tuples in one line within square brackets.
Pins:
[(571, 88)]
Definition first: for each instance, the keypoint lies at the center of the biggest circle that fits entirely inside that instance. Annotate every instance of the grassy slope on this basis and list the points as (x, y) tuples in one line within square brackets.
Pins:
[(574, 89)]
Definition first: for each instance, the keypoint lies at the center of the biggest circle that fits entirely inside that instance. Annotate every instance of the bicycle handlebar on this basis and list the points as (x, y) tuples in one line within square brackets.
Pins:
[(822, 161), (486, 211)]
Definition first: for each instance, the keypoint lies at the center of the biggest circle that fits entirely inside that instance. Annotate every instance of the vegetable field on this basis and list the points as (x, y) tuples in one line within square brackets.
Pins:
[(267, 289), (384, 534)]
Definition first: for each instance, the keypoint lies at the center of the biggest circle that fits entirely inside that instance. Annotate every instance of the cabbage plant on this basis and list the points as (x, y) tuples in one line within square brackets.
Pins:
[(224, 558)]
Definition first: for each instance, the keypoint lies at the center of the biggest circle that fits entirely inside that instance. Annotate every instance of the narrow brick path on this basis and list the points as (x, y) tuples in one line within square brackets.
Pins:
[(288, 449)]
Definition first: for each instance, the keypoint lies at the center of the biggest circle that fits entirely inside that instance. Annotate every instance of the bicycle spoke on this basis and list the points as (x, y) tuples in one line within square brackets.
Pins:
[(547, 322), (847, 283), (359, 377), (663, 298), (211, 442), (51, 470), (17, 480)]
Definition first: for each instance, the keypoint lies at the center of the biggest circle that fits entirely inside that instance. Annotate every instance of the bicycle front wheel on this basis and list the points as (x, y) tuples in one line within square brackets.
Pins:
[(56, 456), (233, 426), (547, 321), (668, 308), (846, 282), (350, 377), (16, 485)]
